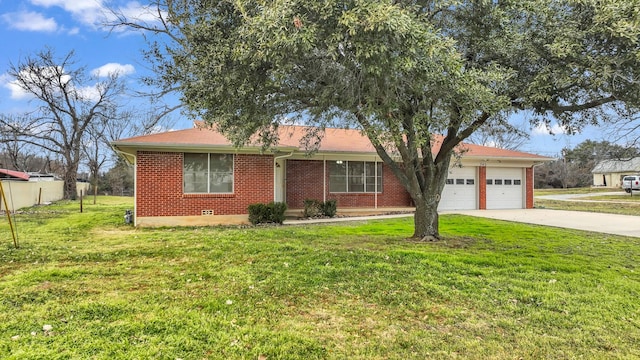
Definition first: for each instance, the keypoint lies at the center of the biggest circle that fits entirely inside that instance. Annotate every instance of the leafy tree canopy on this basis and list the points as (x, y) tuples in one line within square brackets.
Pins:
[(591, 152), (401, 71)]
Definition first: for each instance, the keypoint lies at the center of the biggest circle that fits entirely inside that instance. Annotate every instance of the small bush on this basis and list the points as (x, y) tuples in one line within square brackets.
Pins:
[(329, 208), (277, 211), (272, 212), (258, 213), (314, 208)]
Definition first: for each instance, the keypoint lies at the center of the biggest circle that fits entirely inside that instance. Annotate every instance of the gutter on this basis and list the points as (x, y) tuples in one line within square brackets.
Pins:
[(129, 157)]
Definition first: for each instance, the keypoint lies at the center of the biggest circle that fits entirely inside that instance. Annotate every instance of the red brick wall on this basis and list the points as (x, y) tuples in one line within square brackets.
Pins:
[(159, 186), (482, 187), (529, 187), (304, 181)]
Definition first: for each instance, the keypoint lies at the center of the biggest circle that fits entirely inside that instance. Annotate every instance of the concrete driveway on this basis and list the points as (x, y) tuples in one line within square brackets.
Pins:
[(626, 225)]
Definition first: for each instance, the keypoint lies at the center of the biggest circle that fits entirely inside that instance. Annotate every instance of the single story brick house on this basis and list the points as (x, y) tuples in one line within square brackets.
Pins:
[(196, 177)]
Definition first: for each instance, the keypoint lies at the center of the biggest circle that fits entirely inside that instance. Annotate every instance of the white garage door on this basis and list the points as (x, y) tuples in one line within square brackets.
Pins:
[(505, 188), (460, 191)]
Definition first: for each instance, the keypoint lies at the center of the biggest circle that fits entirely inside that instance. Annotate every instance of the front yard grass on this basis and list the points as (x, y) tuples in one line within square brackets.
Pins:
[(604, 205), (583, 190), (360, 290), (621, 198)]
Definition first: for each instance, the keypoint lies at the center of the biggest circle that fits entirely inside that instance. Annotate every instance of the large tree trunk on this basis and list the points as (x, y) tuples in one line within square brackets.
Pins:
[(426, 218), (70, 179), (427, 199)]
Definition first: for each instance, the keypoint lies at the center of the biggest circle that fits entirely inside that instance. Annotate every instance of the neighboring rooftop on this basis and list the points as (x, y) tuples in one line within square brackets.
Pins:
[(618, 166), (6, 174)]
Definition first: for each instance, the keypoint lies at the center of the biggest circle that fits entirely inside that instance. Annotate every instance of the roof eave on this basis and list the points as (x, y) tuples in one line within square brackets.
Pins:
[(133, 147), (130, 149), (509, 158)]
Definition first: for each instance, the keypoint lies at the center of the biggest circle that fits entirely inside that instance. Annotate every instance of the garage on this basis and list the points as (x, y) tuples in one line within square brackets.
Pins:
[(505, 188), (460, 191)]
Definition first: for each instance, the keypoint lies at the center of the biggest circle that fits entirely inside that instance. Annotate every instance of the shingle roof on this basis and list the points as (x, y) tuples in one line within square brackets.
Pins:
[(617, 166), (334, 140)]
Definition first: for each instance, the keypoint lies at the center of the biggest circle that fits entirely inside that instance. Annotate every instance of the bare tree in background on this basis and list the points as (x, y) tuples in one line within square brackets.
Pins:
[(99, 135), (16, 154), (626, 131), (68, 102), (500, 133)]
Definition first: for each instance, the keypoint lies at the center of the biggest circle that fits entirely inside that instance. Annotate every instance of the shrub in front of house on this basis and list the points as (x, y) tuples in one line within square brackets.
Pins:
[(329, 208), (315, 208), (311, 208), (272, 212), (277, 211)]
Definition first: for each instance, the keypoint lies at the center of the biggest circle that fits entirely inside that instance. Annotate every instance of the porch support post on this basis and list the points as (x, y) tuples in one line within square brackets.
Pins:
[(375, 181), (275, 177)]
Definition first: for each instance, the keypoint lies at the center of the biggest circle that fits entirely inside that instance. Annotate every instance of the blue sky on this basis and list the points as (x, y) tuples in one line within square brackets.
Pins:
[(28, 26)]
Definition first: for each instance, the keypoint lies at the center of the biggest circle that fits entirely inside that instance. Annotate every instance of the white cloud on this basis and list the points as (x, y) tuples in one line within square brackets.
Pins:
[(88, 12), (70, 5), (18, 93), (96, 13), (91, 93), (30, 21), (113, 68), (541, 129), (139, 12)]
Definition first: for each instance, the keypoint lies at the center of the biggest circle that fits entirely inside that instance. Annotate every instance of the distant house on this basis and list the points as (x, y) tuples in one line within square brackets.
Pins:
[(196, 177), (609, 173)]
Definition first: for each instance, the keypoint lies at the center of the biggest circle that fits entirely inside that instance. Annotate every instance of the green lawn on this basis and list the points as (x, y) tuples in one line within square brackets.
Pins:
[(622, 198), (583, 190), (612, 204), (361, 290)]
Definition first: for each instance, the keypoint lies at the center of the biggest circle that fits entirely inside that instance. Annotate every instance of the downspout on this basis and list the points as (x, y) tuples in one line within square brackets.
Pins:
[(324, 179), (135, 182), (275, 185), (533, 179)]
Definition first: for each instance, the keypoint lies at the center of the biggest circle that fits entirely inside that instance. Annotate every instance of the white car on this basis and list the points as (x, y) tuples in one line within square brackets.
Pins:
[(631, 183)]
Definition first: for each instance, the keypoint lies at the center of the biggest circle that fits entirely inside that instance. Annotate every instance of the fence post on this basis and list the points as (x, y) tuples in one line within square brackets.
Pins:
[(8, 212)]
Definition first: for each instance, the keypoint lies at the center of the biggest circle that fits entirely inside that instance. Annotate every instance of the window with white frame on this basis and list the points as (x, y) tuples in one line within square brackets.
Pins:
[(208, 173), (355, 176)]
